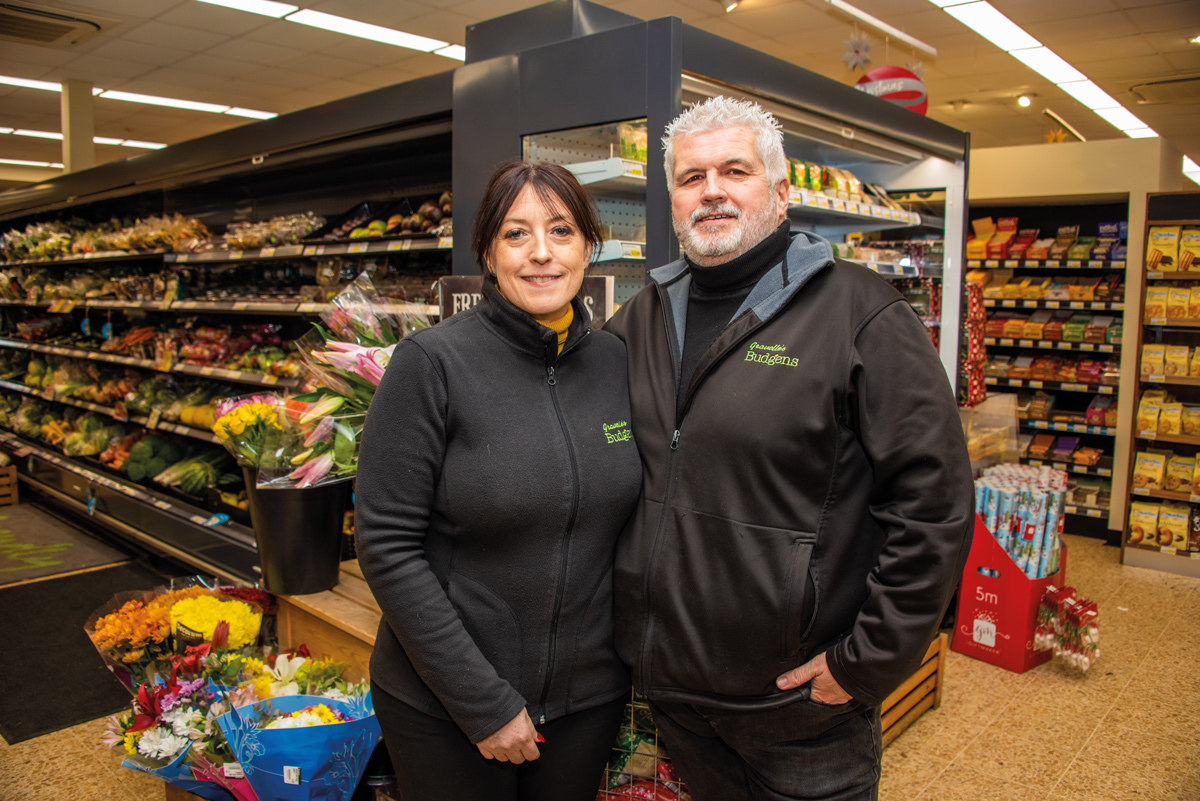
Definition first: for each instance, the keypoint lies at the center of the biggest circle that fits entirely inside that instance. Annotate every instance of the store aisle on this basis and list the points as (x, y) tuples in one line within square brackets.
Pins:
[(1129, 729)]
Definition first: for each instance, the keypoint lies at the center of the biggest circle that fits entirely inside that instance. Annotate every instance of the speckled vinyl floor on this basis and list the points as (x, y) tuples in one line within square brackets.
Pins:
[(1128, 729)]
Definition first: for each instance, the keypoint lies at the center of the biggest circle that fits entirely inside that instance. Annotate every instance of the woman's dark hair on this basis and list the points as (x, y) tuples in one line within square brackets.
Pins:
[(555, 186)]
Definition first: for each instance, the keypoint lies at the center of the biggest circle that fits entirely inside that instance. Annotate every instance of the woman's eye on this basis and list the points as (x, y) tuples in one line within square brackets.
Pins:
[(514, 234), (563, 230)]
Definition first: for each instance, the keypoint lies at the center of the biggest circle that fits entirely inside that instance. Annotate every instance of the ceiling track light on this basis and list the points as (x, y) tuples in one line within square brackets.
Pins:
[(883, 27), (729, 5)]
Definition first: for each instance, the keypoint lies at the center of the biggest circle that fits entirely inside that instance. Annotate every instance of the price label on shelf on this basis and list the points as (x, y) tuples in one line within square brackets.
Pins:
[(1154, 274), (1105, 390), (990, 381), (1140, 491), (839, 205), (992, 263), (152, 421), (1086, 346), (1117, 265), (1074, 264), (1156, 379), (1016, 382), (1158, 321), (270, 379), (1095, 263), (631, 251), (1103, 471), (1030, 304), (823, 202), (266, 253), (182, 257), (1075, 304), (1026, 343), (1095, 513), (1052, 304), (21, 453), (241, 306), (1006, 342), (1036, 384), (1105, 348), (1063, 345), (974, 263), (235, 254), (1009, 304), (400, 244), (357, 247), (445, 242), (1168, 549), (1194, 498), (309, 308), (1148, 435), (1012, 263), (1052, 263), (206, 371), (1078, 429), (310, 250)]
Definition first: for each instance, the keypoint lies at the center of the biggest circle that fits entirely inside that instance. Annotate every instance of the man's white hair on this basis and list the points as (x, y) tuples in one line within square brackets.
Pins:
[(720, 112)]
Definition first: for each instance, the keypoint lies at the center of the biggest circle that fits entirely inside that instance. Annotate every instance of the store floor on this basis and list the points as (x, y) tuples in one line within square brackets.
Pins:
[(1128, 729)]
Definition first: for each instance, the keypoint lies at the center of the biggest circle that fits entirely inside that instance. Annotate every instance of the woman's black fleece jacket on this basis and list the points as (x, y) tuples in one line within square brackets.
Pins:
[(494, 477)]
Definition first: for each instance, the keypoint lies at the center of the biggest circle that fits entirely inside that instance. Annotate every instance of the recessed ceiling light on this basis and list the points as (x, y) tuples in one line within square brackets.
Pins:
[(249, 112), (267, 8), (169, 102), (23, 163), (365, 30), (1023, 101), (1195, 40), (989, 23), (38, 134)]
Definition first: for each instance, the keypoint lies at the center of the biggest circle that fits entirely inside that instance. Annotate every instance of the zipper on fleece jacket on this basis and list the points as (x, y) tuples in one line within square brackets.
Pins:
[(560, 585)]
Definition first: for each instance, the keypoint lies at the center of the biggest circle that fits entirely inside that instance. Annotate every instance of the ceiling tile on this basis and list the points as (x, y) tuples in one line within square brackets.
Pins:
[(1139, 67), (445, 25), (296, 36), (323, 65), (248, 93), (101, 71), (1167, 16), (340, 88), (216, 67), (277, 77), (1027, 12), (296, 100), (1103, 49), (186, 81), (1112, 25), (483, 10), (1187, 61), (125, 9), (654, 9), (253, 52), (771, 20), (159, 33), (366, 52), (36, 59), (129, 50)]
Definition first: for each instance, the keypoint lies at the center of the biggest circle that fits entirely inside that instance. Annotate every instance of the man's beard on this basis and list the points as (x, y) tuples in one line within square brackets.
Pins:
[(748, 231)]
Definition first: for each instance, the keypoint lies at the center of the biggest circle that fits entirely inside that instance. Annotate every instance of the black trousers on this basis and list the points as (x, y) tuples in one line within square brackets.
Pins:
[(435, 761), (805, 750)]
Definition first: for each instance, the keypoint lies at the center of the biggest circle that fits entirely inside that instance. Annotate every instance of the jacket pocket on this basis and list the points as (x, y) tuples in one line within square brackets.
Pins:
[(491, 624), (731, 603)]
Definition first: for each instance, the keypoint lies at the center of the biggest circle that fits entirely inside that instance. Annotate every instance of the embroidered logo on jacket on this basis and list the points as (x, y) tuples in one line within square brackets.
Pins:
[(617, 432), (773, 355)]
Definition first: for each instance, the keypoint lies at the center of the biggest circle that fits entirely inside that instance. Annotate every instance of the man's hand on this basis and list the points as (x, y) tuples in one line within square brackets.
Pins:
[(516, 742), (825, 688)]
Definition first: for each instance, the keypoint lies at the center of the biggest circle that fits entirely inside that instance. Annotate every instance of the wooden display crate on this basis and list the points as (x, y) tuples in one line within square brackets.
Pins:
[(8, 486), (921, 692)]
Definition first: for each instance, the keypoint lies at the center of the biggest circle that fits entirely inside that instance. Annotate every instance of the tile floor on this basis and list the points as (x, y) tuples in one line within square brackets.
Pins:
[(1128, 729)]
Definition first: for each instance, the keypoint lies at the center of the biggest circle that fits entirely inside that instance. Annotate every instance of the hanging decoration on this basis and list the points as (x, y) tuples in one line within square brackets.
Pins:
[(916, 68), (896, 85), (857, 49), (1056, 136)]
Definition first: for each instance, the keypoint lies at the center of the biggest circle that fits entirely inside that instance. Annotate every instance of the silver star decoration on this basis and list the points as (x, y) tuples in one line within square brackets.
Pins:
[(916, 68), (856, 56)]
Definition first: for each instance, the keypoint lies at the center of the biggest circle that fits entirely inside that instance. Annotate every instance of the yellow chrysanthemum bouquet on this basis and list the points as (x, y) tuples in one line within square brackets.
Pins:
[(243, 424)]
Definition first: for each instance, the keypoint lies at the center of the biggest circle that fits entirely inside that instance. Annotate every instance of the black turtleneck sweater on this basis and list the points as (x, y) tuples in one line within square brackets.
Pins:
[(717, 293)]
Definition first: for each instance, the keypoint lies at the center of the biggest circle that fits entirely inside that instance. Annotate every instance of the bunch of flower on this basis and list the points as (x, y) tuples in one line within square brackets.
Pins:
[(317, 443), (315, 715), (198, 619), (243, 424), (135, 635)]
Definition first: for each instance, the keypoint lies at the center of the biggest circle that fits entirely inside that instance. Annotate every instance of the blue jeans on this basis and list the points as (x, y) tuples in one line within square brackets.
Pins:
[(805, 750)]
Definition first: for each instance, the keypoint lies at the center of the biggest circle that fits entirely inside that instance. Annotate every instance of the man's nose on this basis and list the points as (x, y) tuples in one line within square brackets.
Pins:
[(713, 188)]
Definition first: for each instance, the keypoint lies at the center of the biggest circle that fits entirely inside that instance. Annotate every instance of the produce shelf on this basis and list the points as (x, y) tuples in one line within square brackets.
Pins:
[(1078, 305), (108, 411), (235, 306), (1050, 344), (361, 246), (1050, 264), (89, 258), (165, 524), (238, 376)]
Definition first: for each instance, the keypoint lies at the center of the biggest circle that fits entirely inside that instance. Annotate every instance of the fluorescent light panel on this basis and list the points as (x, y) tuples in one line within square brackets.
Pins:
[(989, 23), (23, 163), (365, 30), (154, 100), (456, 52), (37, 134), (1048, 64), (1089, 94), (268, 8), (4, 130), (879, 24), (143, 145), (1141, 133), (106, 140), (28, 84), (1121, 118), (249, 112)]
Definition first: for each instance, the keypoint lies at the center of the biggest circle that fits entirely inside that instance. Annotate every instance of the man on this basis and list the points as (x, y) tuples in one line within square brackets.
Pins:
[(807, 500)]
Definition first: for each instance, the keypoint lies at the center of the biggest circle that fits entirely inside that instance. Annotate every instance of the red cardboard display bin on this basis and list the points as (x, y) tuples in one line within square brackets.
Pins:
[(998, 605)]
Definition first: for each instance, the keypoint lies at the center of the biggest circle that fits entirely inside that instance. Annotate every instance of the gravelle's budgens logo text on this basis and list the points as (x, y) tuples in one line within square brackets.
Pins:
[(770, 355), (617, 432)]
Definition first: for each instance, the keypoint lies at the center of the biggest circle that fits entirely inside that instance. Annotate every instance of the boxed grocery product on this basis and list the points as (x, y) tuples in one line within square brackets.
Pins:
[(1180, 470), (1175, 360), (1170, 419), (1059, 289), (1104, 247), (981, 277), (1156, 302), (1113, 335), (1020, 366), (1081, 248), (1143, 522), (994, 326), (1041, 446), (1054, 328), (1019, 246), (1097, 408), (1191, 419), (995, 289), (1073, 330), (1174, 521), (1149, 470), (1087, 456), (997, 246), (1013, 288), (1066, 237), (1194, 303), (1067, 370), (997, 366), (1153, 357), (1194, 364), (1014, 327), (1063, 448), (1036, 288), (1036, 324), (1109, 287), (1039, 249), (1178, 298), (1044, 368), (984, 229), (1189, 249), (1090, 371), (1097, 330), (1162, 252), (1083, 288)]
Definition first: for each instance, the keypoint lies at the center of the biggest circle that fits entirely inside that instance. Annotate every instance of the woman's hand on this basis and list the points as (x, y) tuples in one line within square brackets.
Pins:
[(516, 742)]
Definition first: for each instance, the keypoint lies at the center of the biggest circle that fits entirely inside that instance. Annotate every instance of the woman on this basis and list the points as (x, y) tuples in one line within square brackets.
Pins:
[(493, 482)]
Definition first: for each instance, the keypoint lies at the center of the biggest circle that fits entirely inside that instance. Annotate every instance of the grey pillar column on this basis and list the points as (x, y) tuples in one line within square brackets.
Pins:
[(78, 126)]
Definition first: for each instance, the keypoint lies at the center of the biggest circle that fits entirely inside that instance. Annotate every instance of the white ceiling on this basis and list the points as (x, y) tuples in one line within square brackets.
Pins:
[(196, 51)]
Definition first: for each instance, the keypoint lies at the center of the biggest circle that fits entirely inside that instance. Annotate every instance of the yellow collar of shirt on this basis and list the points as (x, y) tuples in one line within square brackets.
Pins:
[(561, 326)]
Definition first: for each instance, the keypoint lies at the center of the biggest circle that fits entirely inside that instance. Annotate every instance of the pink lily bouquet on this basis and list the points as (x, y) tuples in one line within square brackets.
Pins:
[(319, 433)]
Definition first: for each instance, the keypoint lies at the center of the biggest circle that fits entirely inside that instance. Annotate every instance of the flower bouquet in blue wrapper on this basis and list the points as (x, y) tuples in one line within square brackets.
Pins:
[(303, 747)]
